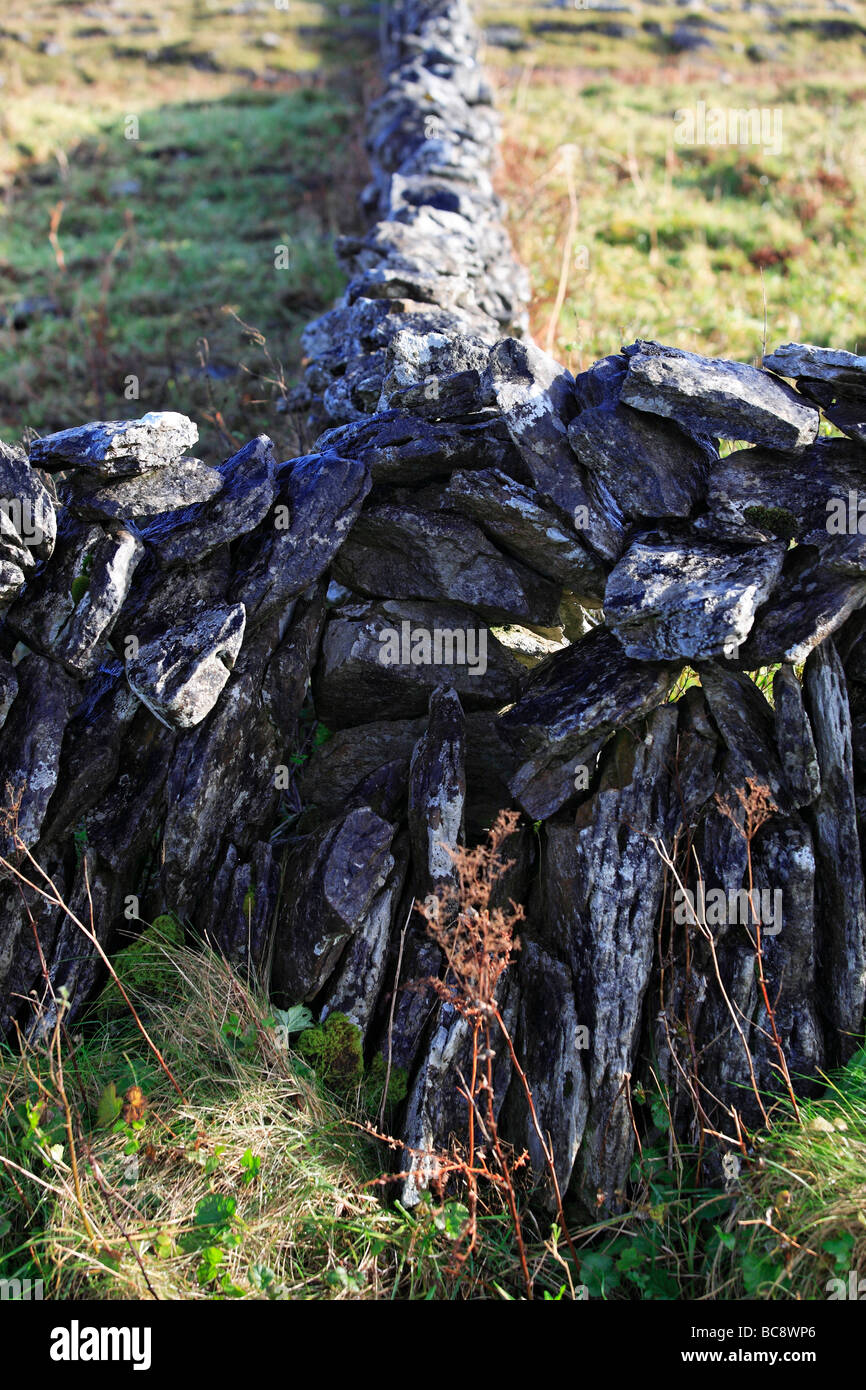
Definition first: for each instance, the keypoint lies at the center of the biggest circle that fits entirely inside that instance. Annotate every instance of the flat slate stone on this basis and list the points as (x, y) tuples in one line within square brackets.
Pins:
[(437, 794), (32, 740), (568, 705), (81, 645), (400, 448), (357, 984), (794, 738), (812, 600), (317, 502), (146, 496), (243, 501), (383, 661), (649, 467), (25, 504), (336, 875), (838, 852), (819, 363), (688, 601), (764, 492), (709, 396), (408, 551), (744, 719), (41, 612), (112, 448), (515, 517), (180, 675), (536, 398)]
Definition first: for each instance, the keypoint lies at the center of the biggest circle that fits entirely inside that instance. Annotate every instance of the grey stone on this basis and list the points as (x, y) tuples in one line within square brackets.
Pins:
[(567, 708), (437, 793), (536, 398), (714, 397), (32, 739), (514, 517), (81, 644), (180, 675), (794, 740), (811, 602), (357, 984), (451, 647), (548, 1040), (763, 493), (688, 601), (745, 721), (336, 875), (408, 551), (602, 884), (317, 503), (841, 905), (243, 501), (113, 448), (26, 504), (818, 363), (147, 496), (646, 467)]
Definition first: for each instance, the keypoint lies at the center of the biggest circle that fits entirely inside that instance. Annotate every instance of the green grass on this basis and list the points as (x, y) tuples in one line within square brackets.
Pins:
[(799, 1221), (689, 244), (255, 1183), (260, 1182), (241, 149)]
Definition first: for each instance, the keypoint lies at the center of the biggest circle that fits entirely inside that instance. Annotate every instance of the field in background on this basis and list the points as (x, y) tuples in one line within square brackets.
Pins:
[(640, 235), (117, 253)]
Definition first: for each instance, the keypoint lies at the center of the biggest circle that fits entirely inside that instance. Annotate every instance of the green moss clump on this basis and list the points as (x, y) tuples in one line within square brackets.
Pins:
[(374, 1084), (777, 520), (333, 1048), (142, 967)]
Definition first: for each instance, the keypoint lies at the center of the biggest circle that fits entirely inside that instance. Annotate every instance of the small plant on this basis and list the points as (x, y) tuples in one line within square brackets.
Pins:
[(478, 942)]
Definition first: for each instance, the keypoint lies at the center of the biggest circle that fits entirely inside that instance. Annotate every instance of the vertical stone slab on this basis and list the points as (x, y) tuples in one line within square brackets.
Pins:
[(841, 905)]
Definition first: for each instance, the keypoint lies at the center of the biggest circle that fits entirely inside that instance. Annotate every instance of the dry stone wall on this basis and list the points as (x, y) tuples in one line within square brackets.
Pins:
[(487, 579)]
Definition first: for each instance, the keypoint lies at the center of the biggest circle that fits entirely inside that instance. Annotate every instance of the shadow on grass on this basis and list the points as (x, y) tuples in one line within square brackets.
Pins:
[(117, 259)]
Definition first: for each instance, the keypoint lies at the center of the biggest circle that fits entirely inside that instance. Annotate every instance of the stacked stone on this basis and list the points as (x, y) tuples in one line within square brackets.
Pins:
[(487, 577), (435, 279)]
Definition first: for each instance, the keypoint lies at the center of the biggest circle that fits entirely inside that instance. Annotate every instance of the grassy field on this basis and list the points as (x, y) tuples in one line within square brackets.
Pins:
[(153, 158), (628, 230)]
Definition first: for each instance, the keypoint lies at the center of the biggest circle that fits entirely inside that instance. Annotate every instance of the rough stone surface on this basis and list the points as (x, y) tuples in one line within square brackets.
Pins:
[(180, 675), (837, 849), (648, 467), (404, 550), (709, 396), (670, 602), (113, 448), (515, 518)]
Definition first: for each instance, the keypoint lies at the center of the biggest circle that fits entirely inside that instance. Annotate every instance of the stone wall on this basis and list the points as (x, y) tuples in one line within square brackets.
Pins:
[(493, 583)]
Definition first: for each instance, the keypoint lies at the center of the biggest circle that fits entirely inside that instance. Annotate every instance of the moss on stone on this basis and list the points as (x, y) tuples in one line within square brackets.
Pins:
[(333, 1048), (374, 1084), (142, 967), (777, 520)]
